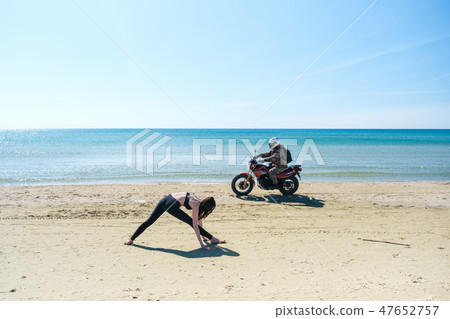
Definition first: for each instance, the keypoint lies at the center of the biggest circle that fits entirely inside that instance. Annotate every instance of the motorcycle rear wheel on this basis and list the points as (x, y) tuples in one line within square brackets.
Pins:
[(239, 187), (288, 186)]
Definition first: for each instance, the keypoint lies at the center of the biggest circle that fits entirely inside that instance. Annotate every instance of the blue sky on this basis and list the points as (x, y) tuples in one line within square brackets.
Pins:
[(224, 63)]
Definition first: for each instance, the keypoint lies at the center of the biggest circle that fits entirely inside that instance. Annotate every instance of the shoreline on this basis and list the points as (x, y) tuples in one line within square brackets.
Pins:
[(58, 240), (223, 183)]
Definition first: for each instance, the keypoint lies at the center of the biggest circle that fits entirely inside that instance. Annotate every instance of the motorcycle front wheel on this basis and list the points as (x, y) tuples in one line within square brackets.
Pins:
[(288, 186), (240, 186)]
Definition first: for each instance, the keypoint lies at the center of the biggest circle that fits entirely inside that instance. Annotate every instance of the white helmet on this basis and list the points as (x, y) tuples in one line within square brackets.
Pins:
[(274, 141)]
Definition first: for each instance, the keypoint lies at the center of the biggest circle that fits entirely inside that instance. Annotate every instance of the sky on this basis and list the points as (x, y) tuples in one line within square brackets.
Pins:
[(225, 64)]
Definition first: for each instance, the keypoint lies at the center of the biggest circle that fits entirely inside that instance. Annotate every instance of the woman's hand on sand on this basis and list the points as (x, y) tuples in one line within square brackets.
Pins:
[(206, 247), (128, 242), (215, 240)]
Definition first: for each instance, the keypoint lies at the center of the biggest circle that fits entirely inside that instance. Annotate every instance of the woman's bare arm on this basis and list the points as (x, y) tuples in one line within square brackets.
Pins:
[(200, 223), (195, 224)]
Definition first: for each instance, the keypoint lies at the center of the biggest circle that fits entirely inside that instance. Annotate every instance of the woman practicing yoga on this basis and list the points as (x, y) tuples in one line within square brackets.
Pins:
[(172, 203)]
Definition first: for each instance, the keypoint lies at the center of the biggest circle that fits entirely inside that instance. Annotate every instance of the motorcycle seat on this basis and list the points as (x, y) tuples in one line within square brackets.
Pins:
[(287, 169), (290, 167)]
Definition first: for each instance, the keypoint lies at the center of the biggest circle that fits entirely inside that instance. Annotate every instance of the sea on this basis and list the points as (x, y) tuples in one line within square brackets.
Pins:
[(151, 155)]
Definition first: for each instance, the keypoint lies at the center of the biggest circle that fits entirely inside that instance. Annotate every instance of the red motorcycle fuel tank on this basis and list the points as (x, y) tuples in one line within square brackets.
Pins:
[(260, 169)]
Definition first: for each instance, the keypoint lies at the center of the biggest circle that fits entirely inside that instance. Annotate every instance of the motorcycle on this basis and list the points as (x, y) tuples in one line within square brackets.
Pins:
[(242, 184)]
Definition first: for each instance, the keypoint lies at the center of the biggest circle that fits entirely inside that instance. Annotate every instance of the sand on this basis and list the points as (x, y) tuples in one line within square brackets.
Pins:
[(331, 241)]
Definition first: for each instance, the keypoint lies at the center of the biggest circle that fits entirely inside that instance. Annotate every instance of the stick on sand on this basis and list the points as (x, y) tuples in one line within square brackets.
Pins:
[(384, 241)]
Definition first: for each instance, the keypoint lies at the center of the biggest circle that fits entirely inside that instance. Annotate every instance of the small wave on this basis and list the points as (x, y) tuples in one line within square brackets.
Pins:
[(371, 173)]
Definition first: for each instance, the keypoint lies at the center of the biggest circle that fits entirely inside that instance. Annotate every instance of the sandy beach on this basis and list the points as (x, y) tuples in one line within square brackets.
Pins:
[(331, 241)]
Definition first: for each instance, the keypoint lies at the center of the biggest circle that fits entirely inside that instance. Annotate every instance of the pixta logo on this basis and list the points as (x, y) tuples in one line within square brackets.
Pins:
[(141, 150), (219, 155)]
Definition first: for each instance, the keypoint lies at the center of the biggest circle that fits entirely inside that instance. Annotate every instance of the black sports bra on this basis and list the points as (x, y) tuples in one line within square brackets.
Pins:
[(186, 201)]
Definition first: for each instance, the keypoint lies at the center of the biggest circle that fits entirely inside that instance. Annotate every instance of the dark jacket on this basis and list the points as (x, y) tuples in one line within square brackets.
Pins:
[(277, 156)]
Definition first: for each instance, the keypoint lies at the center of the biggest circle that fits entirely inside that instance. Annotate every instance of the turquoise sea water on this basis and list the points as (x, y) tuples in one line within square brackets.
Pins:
[(86, 156)]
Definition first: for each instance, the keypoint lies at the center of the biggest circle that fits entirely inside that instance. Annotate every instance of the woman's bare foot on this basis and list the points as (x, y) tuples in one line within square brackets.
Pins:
[(215, 240), (128, 242)]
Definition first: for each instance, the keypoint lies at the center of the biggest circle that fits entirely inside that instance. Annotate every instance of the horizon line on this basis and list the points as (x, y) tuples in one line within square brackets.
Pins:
[(218, 128)]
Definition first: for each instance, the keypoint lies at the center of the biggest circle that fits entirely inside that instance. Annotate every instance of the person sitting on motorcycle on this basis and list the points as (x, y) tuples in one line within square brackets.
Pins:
[(277, 156)]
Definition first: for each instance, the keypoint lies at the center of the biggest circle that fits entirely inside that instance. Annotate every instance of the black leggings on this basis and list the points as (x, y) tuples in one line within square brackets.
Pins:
[(172, 206)]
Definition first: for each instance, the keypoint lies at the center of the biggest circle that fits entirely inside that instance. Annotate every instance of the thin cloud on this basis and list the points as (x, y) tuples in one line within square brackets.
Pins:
[(376, 55), (436, 79), (367, 93)]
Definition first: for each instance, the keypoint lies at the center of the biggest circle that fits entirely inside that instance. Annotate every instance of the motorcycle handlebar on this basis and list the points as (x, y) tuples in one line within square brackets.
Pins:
[(253, 160)]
